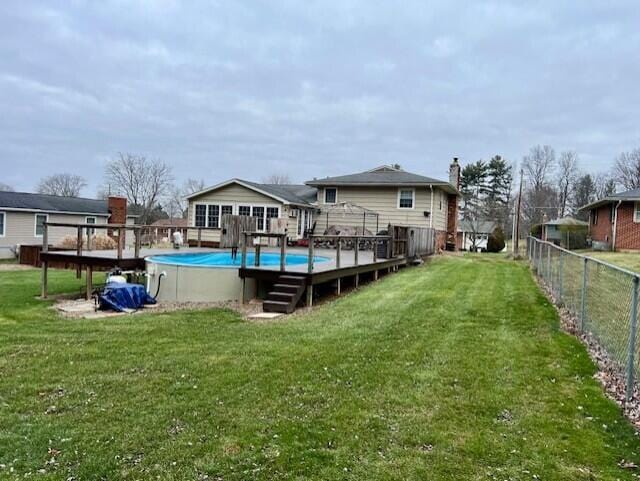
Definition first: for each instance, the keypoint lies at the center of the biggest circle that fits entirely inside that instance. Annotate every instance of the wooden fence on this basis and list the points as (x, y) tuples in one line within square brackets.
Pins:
[(412, 241)]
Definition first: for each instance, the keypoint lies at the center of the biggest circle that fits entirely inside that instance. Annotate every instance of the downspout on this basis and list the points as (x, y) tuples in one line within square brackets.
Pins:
[(615, 226), (431, 211)]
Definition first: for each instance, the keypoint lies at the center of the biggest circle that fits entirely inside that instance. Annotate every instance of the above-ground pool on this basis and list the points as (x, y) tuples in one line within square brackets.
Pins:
[(210, 276)]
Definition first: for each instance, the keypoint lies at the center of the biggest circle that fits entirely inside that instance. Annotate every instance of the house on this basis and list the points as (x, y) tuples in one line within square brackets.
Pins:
[(295, 203), (614, 221), (23, 214), (567, 232), (474, 236), (388, 194)]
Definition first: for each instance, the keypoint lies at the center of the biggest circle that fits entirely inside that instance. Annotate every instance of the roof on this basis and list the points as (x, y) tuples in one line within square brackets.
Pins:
[(297, 194), (175, 222), (629, 195), (567, 221), (383, 176), (52, 203), (483, 226)]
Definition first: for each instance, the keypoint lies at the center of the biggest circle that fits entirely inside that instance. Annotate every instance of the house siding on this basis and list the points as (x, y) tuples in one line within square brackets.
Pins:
[(20, 229), (603, 230), (384, 201), (233, 194), (628, 231)]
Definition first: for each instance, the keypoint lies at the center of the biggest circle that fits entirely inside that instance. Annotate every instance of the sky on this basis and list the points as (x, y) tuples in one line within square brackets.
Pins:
[(221, 89)]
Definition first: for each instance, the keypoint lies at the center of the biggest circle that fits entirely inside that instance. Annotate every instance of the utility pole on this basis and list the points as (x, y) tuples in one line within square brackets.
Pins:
[(516, 228)]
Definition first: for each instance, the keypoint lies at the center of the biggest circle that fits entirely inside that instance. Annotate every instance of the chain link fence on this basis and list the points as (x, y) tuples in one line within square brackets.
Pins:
[(602, 297)]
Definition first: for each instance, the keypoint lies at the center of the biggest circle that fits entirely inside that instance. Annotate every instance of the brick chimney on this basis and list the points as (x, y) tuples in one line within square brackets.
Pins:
[(452, 206), (117, 210)]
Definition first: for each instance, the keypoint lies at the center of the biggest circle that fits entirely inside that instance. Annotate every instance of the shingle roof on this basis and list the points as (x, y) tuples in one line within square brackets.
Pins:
[(381, 177), (569, 221), (628, 195), (294, 193), (52, 203)]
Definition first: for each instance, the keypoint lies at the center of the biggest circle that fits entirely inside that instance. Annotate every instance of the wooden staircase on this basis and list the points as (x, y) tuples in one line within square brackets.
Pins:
[(285, 295)]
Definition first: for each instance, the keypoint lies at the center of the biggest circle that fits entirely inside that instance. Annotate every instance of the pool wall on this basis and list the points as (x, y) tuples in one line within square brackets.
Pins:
[(198, 284)]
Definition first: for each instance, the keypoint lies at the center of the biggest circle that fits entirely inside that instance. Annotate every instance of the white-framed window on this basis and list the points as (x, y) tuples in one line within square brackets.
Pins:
[(90, 220), (272, 213), (406, 198), (258, 211), (213, 215), (3, 224), (636, 213), (330, 195), (200, 215), (226, 210), (244, 210), (40, 219)]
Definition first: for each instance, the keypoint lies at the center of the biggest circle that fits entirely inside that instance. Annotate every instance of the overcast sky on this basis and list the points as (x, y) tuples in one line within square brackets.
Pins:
[(244, 89)]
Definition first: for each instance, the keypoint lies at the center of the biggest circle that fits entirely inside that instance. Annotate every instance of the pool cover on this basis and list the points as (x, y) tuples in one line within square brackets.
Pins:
[(124, 297)]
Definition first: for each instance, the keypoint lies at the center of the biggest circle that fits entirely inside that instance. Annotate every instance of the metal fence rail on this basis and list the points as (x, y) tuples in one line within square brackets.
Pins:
[(603, 297)]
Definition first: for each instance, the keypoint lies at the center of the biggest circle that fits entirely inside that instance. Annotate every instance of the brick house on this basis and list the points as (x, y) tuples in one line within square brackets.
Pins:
[(614, 221)]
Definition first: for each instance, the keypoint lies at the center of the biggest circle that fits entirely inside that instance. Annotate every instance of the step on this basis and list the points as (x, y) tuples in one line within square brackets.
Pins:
[(286, 288), (281, 296), (277, 306), (294, 280)]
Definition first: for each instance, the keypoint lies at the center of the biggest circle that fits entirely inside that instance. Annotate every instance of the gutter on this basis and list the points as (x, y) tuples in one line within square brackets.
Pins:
[(615, 226), (431, 211)]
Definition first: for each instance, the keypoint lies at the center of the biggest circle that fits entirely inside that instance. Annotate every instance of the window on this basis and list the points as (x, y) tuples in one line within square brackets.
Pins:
[(226, 210), (244, 210), (406, 198), (259, 213), (636, 213), (40, 220), (213, 216), (272, 213), (90, 220), (594, 215), (3, 222), (200, 219), (330, 195)]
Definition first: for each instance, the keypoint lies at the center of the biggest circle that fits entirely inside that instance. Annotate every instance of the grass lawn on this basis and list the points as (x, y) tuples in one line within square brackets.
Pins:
[(628, 260), (454, 370)]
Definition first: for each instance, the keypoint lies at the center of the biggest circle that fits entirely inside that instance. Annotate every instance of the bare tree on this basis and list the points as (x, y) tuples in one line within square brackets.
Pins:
[(277, 179), (605, 185), (626, 170), (142, 181), (176, 203), (540, 197), (567, 175), (6, 187), (65, 185)]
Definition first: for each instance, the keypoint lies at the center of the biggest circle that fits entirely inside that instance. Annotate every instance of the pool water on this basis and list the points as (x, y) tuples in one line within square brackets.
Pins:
[(224, 259)]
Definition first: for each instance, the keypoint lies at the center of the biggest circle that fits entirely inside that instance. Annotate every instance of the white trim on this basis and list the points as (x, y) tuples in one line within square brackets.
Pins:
[(95, 221), (245, 185), (4, 224), (413, 198), (235, 209), (35, 223), (636, 211), (54, 212), (324, 195)]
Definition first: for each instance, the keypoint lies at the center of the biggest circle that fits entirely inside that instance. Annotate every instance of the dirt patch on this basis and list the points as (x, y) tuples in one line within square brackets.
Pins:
[(609, 373), (15, 267)]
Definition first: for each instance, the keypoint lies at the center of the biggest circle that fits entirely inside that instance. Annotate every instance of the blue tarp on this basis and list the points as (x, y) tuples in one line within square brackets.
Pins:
[(121, 297)]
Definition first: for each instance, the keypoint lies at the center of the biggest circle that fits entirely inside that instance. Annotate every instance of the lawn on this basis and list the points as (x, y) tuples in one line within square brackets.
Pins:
[(628, 260), (453, 370)]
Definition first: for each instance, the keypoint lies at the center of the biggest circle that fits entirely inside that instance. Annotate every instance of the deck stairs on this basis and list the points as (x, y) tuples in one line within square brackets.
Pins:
[(285, 294)]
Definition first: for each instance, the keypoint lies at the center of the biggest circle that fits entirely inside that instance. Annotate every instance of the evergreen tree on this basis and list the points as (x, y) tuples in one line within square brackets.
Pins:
[(499, 182)]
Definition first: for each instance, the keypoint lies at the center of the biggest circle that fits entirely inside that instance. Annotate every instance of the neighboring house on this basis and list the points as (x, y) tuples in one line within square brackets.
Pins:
[(23, 214), (614, 221), (163, 226), (263, 201), (398, 197), (474, 235), (567, 232)]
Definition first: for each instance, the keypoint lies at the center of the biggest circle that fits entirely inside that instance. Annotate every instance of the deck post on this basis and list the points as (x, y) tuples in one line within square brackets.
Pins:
[(310, 295), (89, 276), (632, 339), (243, 261), (79, 252), (338, 251), (283, 251), (45, 266), (45, 277), (243, 298), (257, 255), (310, 259), (120, 243), (199, 237), (138, 239), (356, 281), (375, 250), (355, 251), (338, 286), (375, 275)]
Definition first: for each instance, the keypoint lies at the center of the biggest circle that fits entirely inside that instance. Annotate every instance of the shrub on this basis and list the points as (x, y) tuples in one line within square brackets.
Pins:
[(99, 242), (496, 241)]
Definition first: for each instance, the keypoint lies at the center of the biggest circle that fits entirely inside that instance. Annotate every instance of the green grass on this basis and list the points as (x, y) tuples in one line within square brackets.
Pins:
[(454, 370), (627, 260)]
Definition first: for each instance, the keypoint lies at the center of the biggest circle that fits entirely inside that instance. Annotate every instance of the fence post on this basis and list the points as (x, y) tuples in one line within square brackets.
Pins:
[(583, 307), (310, 266), (561, 277), (632, 339), (549, 266), (283, 251), (243, 260)]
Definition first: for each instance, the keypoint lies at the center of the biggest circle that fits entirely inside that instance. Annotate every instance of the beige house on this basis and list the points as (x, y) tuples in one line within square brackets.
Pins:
[(23, 214), (390, 194)]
